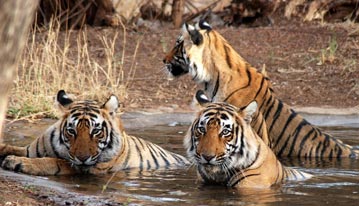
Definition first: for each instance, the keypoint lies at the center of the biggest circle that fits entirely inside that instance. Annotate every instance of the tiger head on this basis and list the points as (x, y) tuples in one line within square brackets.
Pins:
[(194, 49), (176, 61), (90, 132), (220, 140)]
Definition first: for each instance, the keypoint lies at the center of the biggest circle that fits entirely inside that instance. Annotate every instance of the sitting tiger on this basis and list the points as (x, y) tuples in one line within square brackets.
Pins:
[(227, 151), (88, 138), (227, 77)]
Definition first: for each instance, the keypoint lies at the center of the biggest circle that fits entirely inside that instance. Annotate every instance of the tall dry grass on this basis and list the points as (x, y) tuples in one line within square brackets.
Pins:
[(48, 65)]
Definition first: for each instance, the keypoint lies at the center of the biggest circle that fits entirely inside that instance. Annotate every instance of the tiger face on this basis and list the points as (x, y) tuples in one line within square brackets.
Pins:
[(85, 130), (176, 61), (221, 141)]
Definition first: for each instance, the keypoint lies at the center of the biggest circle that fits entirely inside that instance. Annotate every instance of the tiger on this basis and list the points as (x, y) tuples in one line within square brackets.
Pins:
[(227, 151), (226, 77), (88, 138)]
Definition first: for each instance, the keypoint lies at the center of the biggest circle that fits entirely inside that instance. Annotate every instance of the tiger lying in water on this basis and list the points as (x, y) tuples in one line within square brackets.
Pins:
[(227, 151), (227, 77), (89, 137)]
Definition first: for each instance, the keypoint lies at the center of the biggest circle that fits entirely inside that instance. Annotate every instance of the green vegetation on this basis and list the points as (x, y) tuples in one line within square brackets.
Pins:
[(328, 54)]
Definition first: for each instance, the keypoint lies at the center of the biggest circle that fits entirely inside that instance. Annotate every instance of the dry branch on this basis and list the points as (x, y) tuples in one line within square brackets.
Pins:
[(325, 10)]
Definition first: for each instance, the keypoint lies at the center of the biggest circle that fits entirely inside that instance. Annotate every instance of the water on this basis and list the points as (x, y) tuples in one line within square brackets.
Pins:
[(335, 181)]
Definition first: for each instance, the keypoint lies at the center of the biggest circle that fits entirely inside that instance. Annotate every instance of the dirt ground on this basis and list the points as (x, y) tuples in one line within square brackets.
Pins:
[(310, 64)]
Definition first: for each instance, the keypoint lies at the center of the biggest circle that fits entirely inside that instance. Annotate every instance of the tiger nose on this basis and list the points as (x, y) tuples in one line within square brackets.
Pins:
[(83, 158), (208, 157)]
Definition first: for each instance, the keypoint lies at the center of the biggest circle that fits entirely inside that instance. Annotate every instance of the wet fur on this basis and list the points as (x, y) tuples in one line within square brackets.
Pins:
[(88, 138), (240, 159)]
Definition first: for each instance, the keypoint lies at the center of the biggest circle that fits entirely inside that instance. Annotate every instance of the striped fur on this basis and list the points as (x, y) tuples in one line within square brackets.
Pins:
[(227, 151), (88, 138), (227, 77)]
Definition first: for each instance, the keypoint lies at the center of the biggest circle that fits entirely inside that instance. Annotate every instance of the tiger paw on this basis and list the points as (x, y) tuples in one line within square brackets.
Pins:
[(13, 163), (23, 165)]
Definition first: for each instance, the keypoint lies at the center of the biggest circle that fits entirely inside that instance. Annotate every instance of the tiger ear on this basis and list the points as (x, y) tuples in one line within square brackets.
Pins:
[(111, 105), (196, 36), (202, 99), (248, 112), (63, 100), (203, 25)]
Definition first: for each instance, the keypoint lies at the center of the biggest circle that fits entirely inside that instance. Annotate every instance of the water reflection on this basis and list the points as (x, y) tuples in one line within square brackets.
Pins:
[(335, 181)]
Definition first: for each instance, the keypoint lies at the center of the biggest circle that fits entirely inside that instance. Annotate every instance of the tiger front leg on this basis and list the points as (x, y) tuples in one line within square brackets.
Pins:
[(6, 150), (38, 166)]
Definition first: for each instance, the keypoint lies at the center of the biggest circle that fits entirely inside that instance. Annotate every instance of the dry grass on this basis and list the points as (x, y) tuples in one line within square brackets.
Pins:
[(48, 65)]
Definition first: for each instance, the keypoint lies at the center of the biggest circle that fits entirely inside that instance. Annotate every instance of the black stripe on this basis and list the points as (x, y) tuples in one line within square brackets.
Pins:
[(93, 115), (215, 89), (229, 96), (317, 149), (259, 131), (259, 89), (52, 139), (125, 163), (276, 115), (38, 154), (139, 153), (27, 151), (236, 133), (294, 136), (269, 109), (261, 103), (302, 143), (326, 144), (269, 100), (149, 146), (163, 155), (148, 165), (240, 179), (290, 118), (109, 144), (241, 148), (228, 58), (339, 152), (61, 132), (331, 153), (248, 74), (310, 152), (177, 158)]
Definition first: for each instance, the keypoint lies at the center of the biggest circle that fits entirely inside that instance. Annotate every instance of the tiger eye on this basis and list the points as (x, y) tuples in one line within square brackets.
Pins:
[(201, 130)]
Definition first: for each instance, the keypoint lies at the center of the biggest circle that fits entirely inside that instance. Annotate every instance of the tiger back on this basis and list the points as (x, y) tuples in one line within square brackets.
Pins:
[(226, 77), (227, 151), (88, 138)]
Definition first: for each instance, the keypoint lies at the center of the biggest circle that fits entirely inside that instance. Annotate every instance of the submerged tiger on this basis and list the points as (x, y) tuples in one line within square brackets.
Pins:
[(90, 138), (227, 77), (227, 151)]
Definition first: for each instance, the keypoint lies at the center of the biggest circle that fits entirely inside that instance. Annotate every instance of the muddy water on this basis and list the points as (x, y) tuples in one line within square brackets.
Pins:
[(334, 182)]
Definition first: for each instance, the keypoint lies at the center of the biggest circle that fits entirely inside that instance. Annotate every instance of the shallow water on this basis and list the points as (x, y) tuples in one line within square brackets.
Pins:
[(335, 181)]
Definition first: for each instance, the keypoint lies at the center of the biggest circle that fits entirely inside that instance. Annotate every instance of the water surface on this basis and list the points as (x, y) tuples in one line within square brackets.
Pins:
[(335, 181)]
